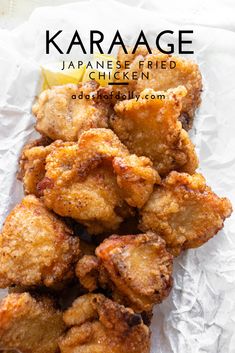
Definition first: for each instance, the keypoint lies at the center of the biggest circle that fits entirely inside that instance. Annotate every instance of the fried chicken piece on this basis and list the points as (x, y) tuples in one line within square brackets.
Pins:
[(29, 325), (185, 73), (135, 178), (87, 192), (150, 127), (147, 317), (59, 116), (139, 268), (95, 181), (184, 211), (100, 325), (87, 270), (36, 248), (32, 164), (136, 268)]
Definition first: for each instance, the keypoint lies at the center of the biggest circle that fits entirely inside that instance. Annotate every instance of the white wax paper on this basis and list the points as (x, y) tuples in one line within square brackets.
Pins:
[(199, 315)]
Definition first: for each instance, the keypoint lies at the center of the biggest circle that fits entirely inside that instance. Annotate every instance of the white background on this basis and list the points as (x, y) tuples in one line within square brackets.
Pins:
[(217, 13)]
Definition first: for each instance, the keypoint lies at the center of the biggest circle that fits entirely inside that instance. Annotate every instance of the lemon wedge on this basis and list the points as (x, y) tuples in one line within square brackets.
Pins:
[(104, 75), (54, 76)]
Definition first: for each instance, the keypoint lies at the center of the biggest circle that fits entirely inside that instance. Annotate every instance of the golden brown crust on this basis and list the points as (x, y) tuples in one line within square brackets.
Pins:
[(136, 178), (95, 181), (61, 117), (32, 167), (36, 247), (186, 73), (135, 269), (87, 270), (102, 325), (84, 186), (184, 211), (139, 269), (32, 163), (150, 127), (30, 325)]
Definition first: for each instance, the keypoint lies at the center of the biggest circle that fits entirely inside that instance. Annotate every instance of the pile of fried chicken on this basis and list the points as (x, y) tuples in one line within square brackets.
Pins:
[(112, 196)]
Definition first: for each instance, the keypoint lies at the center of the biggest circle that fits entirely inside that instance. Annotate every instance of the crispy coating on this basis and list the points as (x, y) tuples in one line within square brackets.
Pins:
[(87, 192), (185, 73), (59, 116), (95, 181), (87, 248), (30, 325), (87, 270), (129, 226), (136, 268), (100, 325), (36, 248), (32, 164), (150, 127), (139, 267), (135, 177), (184, 211)]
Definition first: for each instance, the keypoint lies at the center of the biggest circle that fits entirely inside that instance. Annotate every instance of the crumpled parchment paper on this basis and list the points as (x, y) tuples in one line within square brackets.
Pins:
[(199, 315)]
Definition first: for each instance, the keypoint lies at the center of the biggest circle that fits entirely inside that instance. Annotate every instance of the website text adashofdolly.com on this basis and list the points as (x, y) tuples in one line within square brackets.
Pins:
[(110, 95)]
